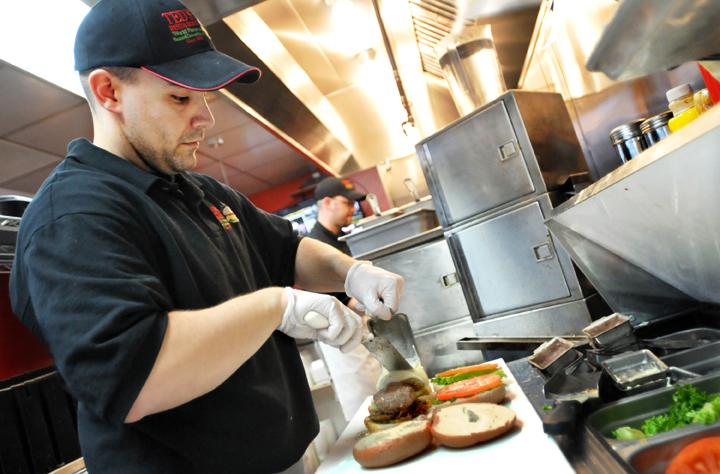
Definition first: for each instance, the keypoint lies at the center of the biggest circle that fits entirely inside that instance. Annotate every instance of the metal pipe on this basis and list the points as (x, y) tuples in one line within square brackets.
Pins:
[(393, 64)]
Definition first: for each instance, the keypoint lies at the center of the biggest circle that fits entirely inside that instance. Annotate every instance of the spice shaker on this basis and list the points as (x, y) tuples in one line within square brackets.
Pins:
[(627, 140), (656, 128)]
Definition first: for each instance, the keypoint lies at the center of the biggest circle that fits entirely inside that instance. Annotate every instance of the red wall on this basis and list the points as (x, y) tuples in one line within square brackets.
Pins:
[(279, 197), (20, 351), (368, 181)]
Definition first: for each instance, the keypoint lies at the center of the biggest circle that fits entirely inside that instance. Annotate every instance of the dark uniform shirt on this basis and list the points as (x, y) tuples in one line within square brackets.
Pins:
[(105, 251), (320, 233)]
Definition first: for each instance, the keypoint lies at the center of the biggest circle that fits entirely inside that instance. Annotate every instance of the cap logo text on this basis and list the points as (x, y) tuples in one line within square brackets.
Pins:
[(184, 26)]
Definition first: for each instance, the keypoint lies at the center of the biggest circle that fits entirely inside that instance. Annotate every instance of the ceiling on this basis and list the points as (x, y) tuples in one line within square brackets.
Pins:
[(341, 79), (39, 119)]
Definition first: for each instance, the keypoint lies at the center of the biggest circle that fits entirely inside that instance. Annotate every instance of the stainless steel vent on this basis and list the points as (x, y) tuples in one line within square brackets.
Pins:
[(511, 22), (433, 20)]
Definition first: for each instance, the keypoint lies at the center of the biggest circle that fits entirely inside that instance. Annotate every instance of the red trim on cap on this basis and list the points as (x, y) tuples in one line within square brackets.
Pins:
[(235, 78)]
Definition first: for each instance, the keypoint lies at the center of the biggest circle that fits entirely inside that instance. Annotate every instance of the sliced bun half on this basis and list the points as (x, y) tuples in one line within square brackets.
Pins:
[(466, 424), (390, 446)]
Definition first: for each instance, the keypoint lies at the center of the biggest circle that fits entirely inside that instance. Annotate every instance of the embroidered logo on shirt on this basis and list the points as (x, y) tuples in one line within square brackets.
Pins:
[(230, 215), (220, 217), (184, 26)]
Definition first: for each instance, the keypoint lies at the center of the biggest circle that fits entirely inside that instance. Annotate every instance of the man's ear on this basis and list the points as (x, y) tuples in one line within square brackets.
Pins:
[(103, 86)]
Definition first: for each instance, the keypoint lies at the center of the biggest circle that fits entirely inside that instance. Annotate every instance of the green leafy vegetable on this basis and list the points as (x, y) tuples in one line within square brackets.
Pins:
[(625, 433), (447, 380), (547, 407), (689, 405)]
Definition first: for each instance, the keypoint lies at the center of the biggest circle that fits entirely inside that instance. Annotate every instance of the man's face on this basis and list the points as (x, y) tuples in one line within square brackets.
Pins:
[(342, 210), (164, 123)]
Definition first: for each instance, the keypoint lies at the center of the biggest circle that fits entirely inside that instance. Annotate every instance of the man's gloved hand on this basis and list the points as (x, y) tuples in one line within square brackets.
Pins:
[(377, 290), (343, 328)]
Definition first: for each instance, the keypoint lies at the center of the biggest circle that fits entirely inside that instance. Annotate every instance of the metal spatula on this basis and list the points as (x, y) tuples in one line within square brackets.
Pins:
[(379, 346), (386, 354)]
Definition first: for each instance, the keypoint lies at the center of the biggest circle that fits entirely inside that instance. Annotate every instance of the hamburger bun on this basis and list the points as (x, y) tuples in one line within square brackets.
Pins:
[(395, 444), (466, 424)]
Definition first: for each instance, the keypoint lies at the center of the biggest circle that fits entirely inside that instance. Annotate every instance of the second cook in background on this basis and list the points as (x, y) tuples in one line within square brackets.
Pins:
[(354, 373)]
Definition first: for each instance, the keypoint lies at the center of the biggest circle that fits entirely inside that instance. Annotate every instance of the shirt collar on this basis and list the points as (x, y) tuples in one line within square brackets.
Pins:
[(91, 155), (328, 231)]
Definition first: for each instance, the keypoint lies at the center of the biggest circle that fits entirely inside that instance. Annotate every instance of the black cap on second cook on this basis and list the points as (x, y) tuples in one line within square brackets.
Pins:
[(162, 37), (331, 187)]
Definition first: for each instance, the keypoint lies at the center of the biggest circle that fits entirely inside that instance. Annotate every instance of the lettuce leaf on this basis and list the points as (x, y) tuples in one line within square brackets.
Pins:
[(447, 380)]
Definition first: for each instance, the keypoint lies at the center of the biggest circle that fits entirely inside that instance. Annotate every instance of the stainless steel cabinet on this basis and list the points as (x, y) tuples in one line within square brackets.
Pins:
[(511, 260), (497, 175), (519, 145), (432, 292)]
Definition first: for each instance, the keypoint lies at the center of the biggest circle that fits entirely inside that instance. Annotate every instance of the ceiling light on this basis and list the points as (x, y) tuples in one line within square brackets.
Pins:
[(41, 38), (215, 142)]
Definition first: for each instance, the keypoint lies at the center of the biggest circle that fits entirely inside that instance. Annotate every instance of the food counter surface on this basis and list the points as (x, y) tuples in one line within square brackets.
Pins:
[(524, 450)]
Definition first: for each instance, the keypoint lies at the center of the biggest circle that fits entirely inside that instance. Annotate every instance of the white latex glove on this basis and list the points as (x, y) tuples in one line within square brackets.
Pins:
[(377, 290), (340, 327)]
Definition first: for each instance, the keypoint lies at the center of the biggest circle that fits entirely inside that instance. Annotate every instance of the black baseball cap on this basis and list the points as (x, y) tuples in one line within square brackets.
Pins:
[(162, 37), (331, 187)]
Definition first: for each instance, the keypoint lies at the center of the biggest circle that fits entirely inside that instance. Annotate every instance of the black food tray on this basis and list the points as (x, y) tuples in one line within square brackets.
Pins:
[(702, 360)]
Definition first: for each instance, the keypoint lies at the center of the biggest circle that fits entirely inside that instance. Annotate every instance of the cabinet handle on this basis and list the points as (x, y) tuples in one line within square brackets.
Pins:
[(543, 252), (508, 151), (449, 280)]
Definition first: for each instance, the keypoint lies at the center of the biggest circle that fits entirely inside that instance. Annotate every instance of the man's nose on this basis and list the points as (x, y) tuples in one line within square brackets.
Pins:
[(204, 117)]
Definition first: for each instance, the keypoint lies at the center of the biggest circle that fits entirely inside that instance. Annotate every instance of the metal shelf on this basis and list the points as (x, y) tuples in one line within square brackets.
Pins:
[(647, 36)]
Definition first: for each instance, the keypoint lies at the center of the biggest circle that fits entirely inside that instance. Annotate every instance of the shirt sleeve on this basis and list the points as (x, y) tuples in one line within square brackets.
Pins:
[(99, 305)]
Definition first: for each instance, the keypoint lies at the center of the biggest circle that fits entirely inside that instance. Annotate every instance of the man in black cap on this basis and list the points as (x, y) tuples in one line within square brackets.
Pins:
[(335, 200), (165, 297)]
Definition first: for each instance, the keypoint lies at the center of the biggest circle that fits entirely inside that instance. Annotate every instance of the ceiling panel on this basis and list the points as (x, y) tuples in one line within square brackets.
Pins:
[(26, 99), (245, 183), (280, 170), (226, 114), (237, 140), (55, 132), (261, 155), (30, 182), (17, 160)]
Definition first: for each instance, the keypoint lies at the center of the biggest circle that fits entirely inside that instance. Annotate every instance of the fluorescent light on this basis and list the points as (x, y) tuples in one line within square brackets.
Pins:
[(40, 39)]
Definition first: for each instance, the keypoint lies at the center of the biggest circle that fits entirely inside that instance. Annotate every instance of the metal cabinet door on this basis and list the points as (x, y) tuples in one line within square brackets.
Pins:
[(510, 261), (477, 165), (432, 293)]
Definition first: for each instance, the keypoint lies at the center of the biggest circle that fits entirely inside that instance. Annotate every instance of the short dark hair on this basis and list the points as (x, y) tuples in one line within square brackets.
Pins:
[(125, 74)]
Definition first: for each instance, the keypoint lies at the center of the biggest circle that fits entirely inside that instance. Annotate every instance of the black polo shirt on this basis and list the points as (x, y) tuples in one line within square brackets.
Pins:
[(322, 234), (105, 251)]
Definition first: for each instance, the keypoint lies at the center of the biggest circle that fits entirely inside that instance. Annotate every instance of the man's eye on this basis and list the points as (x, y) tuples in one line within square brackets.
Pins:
[(180, 99)]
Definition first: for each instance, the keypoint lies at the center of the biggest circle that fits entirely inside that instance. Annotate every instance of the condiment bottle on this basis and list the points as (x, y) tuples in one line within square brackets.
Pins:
[(702, 100), (682, 105)]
